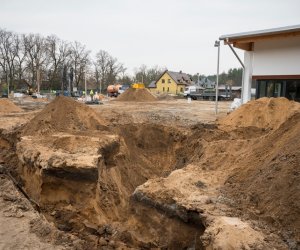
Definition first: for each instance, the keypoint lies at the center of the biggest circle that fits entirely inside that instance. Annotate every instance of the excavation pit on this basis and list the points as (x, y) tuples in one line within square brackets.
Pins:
[(159, 183), (85, 181)]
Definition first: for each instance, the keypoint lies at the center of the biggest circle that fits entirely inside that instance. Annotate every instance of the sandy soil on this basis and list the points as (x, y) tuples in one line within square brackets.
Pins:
[(171, 112), (129, 174), (22, 227)]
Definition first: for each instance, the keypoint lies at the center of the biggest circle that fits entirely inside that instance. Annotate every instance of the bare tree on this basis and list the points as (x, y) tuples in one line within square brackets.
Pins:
[(20, 60), (58, 55), (97, 76), (107, 68), (3, 59), (33, 58), (79, 60), (147, 75), (36, 56), (8, 54)]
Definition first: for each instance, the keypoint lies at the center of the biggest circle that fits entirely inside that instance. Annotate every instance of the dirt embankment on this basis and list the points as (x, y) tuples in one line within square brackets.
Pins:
[(266, 182), (7, 106), (134, 185), (238, 171), (136, 95), (67, 169)]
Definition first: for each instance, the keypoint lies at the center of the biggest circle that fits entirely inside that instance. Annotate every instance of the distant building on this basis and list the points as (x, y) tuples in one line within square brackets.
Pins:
[(206, 83), (152, 86), (271, 59), (171, 82)]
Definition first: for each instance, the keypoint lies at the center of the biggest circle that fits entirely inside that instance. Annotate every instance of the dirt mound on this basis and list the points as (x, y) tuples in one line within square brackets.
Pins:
[(136, 95), (6, 106), (64, 114), (267, 179), (262, 113)]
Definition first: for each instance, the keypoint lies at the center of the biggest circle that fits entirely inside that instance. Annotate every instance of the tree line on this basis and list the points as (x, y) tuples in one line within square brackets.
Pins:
[(52, 63), (232, 77)]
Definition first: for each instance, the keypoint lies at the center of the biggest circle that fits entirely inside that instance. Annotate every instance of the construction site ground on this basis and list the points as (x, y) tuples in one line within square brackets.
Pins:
[(164, 174)]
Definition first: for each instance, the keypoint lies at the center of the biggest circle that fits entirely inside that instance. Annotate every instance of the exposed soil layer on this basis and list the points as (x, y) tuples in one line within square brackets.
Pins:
[(96, 175), (267, 180), (139, 185), (136, 95), (7, 106)]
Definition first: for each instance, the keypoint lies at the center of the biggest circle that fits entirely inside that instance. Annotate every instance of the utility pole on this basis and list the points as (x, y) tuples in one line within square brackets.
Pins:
[(38, 77), (8, 83), (217, 44), (85, 87)]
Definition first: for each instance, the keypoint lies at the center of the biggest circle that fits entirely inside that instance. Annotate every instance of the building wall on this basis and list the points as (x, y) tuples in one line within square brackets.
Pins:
[(247, 76), (277, 57), (169, 85), (271, 57)]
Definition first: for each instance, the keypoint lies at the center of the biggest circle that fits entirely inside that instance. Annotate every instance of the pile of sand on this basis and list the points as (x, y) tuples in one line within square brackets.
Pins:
[(64, 114), (267, 179), (262, 113), (6, 106), (136, 95)]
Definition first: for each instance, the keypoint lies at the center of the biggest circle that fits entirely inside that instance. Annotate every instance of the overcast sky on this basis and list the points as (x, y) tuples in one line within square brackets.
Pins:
[(176, 34)]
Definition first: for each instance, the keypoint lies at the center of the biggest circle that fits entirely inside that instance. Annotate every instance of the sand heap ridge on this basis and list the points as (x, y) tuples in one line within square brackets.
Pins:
[(64, 114), (262, 113), (268, 178), (7, 106), (136, 95)]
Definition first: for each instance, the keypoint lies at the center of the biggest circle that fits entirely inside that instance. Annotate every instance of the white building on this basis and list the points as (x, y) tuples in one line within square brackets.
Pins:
[(271, 59)]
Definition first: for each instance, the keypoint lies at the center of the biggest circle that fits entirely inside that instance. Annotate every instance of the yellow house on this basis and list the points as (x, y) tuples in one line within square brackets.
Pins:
[(170, 82)]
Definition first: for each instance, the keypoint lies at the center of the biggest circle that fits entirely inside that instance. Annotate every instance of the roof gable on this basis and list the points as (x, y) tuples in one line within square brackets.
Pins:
[(179, 77), (152, 84)]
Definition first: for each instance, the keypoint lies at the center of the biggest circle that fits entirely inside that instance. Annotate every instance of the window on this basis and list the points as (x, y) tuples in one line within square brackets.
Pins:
[(293, 90), (181, 89), (163, 89), (169, 80), (279, 87), (262, 89), (270, 89), (168, 89), (163, 81)]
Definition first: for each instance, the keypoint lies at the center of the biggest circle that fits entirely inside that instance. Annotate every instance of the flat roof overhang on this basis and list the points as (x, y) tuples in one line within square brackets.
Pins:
[(245, 40)]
